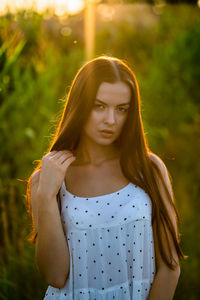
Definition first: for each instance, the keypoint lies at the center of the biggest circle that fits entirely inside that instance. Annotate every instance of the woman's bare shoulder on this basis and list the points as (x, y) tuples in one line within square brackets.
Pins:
[(158, 161), (164, 172)]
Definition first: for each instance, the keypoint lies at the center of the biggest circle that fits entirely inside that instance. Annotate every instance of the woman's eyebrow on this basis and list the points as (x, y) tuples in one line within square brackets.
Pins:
[(125, 103)]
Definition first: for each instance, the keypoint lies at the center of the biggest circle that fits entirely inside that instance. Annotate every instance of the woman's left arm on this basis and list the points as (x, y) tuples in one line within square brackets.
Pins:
[(165, 280)]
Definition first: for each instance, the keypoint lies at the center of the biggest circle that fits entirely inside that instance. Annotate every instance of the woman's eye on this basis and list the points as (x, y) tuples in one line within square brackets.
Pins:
[(98, 106), (122, 109), (101, 107)]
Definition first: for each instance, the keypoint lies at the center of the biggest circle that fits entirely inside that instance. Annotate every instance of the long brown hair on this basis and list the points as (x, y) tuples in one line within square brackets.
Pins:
[(135, 160)]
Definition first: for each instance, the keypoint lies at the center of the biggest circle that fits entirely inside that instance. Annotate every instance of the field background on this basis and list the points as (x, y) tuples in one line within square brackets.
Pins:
[(39, 56)]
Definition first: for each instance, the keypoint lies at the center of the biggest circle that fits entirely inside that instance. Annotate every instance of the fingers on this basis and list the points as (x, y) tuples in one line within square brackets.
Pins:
[(68, 161), (63, 157), (57, 154), (60, 156)]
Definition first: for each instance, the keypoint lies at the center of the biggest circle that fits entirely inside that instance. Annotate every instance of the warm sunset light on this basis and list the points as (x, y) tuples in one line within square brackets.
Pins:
[(75, 6), (89, 28), (60, 7)]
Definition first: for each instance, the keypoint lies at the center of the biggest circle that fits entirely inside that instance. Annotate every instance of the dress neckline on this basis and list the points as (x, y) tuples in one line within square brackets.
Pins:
[(109, 194)]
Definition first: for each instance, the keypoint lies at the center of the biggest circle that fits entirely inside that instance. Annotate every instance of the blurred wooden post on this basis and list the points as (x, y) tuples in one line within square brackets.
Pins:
[(89, 28)]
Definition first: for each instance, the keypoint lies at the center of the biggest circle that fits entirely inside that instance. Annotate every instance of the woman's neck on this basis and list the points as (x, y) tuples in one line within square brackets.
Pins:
[(90, 153)]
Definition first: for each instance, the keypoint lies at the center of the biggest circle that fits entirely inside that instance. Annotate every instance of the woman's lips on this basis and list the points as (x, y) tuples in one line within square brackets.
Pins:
[(106, 133)]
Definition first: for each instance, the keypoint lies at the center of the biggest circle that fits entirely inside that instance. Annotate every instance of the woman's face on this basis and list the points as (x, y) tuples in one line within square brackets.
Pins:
[(109, 112)]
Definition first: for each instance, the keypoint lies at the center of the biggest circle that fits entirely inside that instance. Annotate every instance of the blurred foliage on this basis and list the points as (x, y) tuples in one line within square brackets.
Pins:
[(39, 57), (155, 2)]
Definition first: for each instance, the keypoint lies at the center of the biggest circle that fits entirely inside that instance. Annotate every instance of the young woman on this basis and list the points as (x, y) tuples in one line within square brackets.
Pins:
[(102, 206)]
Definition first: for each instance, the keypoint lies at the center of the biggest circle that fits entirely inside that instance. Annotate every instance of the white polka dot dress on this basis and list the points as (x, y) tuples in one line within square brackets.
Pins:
[(110, 240)]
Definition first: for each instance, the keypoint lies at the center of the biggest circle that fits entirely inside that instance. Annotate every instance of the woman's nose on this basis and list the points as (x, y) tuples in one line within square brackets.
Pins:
[(109, 117)]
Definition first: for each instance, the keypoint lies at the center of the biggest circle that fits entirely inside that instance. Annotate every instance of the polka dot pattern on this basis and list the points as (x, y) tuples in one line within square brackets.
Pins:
[(111, 246)]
